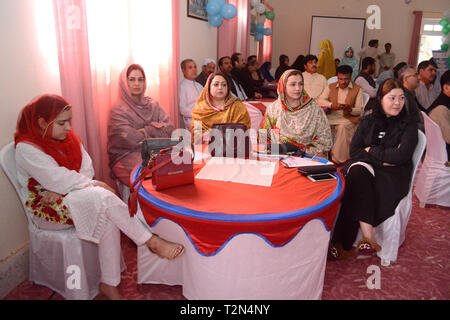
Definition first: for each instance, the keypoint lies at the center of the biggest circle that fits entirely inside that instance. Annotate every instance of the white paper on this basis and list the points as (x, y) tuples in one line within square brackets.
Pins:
[(292, 162), (259, 173)]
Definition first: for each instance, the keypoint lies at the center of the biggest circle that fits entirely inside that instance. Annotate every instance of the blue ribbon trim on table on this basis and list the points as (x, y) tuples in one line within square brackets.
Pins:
[(240, 217)]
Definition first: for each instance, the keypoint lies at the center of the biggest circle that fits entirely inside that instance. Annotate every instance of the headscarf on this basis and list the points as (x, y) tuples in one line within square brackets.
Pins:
[(205, 111), (352, 62), (266, 72), (304, 99), (325, 63), (67, 153)]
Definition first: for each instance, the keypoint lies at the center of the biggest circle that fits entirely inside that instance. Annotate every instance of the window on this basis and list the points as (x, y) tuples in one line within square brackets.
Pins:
[(430, 38)]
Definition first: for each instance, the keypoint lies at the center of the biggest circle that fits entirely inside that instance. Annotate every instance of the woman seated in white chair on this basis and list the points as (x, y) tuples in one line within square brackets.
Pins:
[(56, 177), (296, 118), (378, 174)]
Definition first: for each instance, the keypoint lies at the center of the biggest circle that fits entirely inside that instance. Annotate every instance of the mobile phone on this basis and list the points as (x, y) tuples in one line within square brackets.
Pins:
[(320, 177)]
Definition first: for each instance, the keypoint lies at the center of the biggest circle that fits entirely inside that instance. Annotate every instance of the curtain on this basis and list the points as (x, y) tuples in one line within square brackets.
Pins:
[(244, 21), (227, 35), (93, 49), (265, 46), (415, 38)]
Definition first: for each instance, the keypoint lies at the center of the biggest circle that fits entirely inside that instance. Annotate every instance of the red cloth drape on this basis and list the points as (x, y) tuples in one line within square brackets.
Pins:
[(415, 38), (227, 35)]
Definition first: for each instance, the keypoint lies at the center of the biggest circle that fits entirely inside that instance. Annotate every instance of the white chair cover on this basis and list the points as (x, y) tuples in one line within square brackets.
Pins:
[(391, 233), (124, 191), (433, 178), (52, 252), (332, 79), (255, 118)]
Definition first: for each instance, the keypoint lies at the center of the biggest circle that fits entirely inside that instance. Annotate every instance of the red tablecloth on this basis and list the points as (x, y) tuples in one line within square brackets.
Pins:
[(212, 212)]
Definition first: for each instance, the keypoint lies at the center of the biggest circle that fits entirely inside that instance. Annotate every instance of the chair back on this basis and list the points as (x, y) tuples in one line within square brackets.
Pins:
[(332, 80), (255, 118), (436, 147), (417, 155), (8, 164)]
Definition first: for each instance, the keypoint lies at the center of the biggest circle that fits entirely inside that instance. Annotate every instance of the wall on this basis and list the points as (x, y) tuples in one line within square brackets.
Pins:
[(292, 24), (26, 73)]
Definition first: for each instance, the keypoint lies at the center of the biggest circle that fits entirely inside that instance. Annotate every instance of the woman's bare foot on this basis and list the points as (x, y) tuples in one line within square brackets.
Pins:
[(163, 248), (112, 293)]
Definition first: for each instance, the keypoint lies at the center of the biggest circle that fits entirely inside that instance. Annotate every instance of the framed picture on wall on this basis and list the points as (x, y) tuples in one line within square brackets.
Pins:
[(197, 9)]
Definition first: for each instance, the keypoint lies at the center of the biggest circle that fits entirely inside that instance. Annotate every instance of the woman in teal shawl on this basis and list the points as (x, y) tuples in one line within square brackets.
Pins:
[(350, 61)]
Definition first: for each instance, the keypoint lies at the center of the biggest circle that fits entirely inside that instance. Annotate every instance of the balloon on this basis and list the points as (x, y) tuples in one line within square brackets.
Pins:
[(262, 19), (260, 8), (213, 8), (444, 46), (259, 37), (229, 11), (255, 2), (221, 3), (216, 20), (443, 22), (267, 32), (270, 15), (446, 29), (259, 28)]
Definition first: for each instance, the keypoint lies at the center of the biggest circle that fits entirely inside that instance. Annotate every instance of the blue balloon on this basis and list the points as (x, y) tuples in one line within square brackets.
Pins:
[(259, 37), (213, 8), (221, 3), (229, 11), (259, 28), (267, 32), (216, 20)]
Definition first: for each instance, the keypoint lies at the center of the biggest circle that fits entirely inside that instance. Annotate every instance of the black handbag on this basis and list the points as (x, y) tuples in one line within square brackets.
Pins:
[(307, 170), (153, 146), (234, 140)]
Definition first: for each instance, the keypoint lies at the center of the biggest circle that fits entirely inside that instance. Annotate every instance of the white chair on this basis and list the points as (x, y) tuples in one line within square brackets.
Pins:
[(366, 98), (332, 79), (255, 118), (53, 252), (433, 178), (390, 234), (124, 191)]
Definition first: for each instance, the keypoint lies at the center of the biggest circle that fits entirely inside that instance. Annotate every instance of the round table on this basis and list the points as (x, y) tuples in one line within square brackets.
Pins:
[(242, 241)]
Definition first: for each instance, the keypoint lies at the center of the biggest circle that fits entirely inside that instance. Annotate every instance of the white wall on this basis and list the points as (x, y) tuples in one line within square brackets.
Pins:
[(292, 24)]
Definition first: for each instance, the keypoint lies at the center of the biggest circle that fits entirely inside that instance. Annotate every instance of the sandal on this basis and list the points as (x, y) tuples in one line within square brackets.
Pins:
[(336, 252), (175, 251), (367, 248)]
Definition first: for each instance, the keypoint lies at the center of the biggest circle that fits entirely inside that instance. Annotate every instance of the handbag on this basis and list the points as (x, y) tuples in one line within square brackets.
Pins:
[(164, 172), (307, 170), (151, 146), (235, 140)]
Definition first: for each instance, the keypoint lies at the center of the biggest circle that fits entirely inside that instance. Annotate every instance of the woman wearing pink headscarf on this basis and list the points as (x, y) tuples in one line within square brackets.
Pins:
[(134, 117)]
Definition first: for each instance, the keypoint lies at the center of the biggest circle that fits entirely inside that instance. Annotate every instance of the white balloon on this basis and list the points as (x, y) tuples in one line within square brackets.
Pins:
[(260, 8), (255, 2)]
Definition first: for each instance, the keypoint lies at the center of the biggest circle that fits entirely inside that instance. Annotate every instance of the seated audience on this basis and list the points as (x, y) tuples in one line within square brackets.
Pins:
[(439, 109), (409, 77), (265, 71), (209, 66), (284, 65), (217, 105), (371, 51), (296, 118), (345, 101), (350, 60), (315, 83), (299, 63), (336, 63), (379, 172), (243, 77), (365, 80), (427, 91), (56, 177), (133, 118), (256, 79), (387, 58), (325, 62), (225, 67), (390, 74), (189, 91)]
